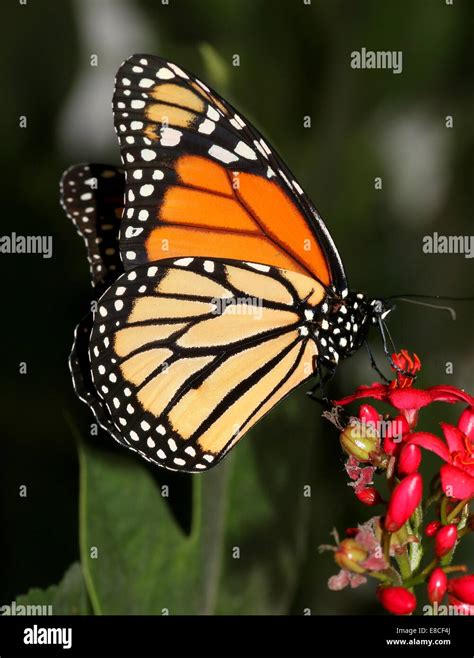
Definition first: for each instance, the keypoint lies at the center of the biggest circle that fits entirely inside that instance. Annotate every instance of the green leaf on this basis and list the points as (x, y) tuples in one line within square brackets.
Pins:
[(268, 514), (69, 597), (147, 553)]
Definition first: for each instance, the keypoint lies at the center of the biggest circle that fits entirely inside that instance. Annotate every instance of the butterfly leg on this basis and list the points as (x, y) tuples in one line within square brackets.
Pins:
[(374, 365), (323, 378)]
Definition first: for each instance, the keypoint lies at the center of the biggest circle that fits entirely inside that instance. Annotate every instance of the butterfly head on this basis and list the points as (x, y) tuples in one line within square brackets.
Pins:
[(379, 309), (344, 322)]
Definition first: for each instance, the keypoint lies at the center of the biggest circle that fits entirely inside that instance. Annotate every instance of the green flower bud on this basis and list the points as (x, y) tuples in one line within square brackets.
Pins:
[(349, 555), (360, 440)]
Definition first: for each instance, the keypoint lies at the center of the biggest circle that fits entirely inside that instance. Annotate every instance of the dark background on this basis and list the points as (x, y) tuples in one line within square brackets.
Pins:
[(295, 61)]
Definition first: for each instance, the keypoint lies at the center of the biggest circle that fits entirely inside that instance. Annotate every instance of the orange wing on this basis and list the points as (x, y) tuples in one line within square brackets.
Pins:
[(201, 181)]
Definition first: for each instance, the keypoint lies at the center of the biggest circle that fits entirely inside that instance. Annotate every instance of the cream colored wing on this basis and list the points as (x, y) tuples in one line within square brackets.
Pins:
[(187, 355)]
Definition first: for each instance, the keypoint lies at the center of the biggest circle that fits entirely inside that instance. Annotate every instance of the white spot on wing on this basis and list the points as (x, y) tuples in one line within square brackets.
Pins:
[(297, 187), (170, 137), (206, 127), (132, 232), (164, 73), (178, 71), (148, 154), (245, 151), (146, 190), (259, 267), (212, 113), (222, 154)]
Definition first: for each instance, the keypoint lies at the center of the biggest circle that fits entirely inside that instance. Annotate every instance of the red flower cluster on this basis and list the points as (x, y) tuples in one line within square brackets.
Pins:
[(392, 445)]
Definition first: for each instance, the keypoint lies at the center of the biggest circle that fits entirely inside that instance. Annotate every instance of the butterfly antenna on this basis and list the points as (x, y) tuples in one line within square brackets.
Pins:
[(450, 309), (442, 297)]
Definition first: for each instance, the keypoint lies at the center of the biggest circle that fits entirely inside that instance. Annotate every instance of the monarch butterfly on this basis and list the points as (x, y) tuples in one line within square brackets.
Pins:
[(220, 287)]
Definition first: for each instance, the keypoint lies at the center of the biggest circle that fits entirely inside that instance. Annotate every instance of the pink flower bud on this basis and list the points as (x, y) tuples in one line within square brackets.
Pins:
[(461, 607), (403, 502), (409, 460), (445, 539), (349, 555), (437, 585), (369, 414), (397, 428), (463, 588), (397, 600), (390, 446), (432, 528), (369, 496)]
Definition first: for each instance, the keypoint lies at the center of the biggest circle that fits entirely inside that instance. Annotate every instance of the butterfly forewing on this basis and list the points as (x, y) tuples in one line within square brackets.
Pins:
[(200, 180)]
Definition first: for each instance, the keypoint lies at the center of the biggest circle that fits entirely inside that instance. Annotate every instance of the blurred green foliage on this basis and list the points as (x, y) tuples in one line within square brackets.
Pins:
[(294, 62)]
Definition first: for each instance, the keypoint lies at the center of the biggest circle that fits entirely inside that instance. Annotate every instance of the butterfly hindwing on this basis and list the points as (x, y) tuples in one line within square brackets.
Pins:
[(201, 181), (79, 367), (187, 355), (92, 197)]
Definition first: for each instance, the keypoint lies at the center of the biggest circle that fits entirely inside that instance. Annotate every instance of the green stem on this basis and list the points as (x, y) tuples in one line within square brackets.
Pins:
[(460, 567), (443, 510), (380, 576), (420, 577), (386, 537), (459, 507), (404, 564)]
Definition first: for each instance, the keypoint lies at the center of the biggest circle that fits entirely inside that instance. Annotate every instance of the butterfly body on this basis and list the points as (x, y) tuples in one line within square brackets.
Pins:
[(229, 291)]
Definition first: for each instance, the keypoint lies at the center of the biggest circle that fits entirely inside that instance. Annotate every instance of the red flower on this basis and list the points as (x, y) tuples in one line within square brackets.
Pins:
[(406, 364), (404, 500), (409, 400), (457, 475), (445, 539), (437, 585), (397, 600), (463, 588), (400, 392)]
